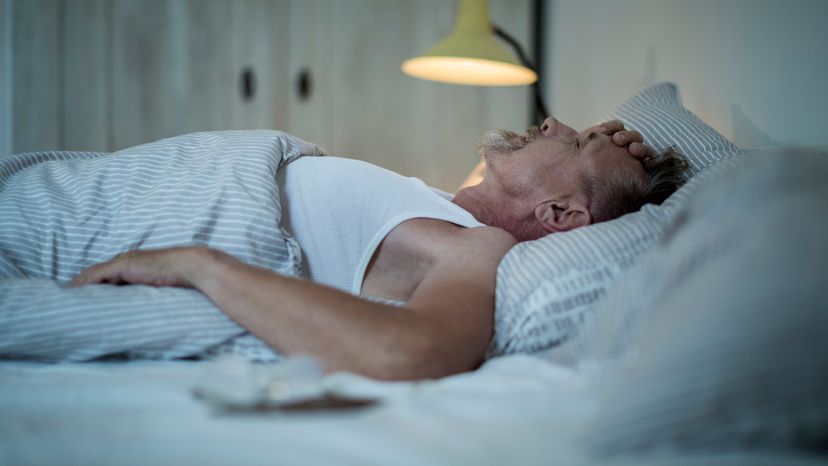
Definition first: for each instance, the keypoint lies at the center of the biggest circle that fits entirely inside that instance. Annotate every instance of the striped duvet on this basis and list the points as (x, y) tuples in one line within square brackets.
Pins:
[(61, 212)]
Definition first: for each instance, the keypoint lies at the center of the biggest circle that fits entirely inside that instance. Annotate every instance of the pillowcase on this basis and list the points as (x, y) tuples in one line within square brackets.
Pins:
[(546, 287), (607, 334), (657, 112), (720, 335)]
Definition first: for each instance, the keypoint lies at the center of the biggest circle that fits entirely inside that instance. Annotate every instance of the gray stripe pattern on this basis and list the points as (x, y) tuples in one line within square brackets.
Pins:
[(738, 295), (546, 288), (61, 212)]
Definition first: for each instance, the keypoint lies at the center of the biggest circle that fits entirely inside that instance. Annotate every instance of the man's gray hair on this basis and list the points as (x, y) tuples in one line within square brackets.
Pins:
[(626, 193)]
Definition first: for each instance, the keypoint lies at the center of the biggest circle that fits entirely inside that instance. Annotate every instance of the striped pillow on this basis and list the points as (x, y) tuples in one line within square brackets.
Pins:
[(725, 323), (658, 113), (546, 287)]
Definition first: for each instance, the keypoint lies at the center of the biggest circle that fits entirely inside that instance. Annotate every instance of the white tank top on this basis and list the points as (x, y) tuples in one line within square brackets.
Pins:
[(339, 211)]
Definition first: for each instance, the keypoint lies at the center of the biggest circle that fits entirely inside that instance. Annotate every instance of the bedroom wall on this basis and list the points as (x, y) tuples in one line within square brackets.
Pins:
[(108, 74), (5, 78), (756, 70)]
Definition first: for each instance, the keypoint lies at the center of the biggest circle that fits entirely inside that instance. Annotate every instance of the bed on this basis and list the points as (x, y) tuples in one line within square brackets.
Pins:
[(515, 410), (689, 333)]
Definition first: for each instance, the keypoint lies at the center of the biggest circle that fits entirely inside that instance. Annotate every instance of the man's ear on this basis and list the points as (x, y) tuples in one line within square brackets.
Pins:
[(557, 216)]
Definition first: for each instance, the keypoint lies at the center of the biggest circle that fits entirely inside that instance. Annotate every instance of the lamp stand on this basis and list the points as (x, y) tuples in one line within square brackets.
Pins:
[(540, 111)]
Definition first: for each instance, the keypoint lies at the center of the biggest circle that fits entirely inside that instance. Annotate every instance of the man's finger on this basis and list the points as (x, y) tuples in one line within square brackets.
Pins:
[(641, 151), (85, 278), (610, 127), (622, 138), (94, 274), (80, 279)]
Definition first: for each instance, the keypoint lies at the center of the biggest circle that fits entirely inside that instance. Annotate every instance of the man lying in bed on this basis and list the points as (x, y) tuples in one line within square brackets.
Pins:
[(435, 254)]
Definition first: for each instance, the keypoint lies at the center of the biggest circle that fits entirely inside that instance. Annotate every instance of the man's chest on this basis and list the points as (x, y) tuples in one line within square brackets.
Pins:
[(405, 256)]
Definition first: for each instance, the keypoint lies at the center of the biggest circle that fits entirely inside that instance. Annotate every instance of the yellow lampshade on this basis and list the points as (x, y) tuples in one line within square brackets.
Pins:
[(470, 54)]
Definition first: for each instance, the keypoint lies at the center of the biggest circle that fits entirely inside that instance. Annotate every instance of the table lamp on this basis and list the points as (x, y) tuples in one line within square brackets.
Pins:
[(471, 54)]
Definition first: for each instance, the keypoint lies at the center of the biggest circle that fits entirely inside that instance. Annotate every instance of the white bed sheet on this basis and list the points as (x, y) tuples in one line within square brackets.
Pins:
[(514, 410)]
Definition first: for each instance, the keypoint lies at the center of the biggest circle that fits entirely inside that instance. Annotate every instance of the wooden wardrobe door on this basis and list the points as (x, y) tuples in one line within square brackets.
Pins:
[(171, 69), (35, 75), (259, 55), (312, 85), (6, 92), (107, 74), (362, 105), (86, 69)]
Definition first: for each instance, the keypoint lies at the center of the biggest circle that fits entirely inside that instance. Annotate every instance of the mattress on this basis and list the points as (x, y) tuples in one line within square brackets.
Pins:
[(514, 410)]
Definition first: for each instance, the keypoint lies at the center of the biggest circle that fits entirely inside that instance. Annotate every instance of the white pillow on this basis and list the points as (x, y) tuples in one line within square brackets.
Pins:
[(721, 333), (545, 287)]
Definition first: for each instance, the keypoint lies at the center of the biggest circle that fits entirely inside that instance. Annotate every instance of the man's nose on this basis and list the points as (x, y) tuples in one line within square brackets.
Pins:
[(551, 126)]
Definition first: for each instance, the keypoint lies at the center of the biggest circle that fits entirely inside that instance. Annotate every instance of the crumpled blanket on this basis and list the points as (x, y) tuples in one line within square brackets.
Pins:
[(61, 212)]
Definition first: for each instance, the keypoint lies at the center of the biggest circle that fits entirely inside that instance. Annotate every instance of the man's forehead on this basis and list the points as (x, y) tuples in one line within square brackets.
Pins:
[(606, 159)]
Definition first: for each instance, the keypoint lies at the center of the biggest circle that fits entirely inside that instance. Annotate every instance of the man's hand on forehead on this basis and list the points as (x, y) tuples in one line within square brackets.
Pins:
[(632, 140)]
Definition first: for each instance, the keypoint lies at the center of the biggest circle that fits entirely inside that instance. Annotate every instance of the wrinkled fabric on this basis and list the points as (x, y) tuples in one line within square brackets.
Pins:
[(61, 212)]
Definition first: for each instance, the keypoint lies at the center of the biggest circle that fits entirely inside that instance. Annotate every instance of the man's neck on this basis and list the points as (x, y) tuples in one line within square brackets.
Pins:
[(489, 208), (474, 201)]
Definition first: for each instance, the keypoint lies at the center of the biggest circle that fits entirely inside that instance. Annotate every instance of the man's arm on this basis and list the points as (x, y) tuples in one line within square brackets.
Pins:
[(444, 328)]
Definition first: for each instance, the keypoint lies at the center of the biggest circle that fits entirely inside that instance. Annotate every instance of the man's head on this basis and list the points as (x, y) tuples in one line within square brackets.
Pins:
[(552, 179)]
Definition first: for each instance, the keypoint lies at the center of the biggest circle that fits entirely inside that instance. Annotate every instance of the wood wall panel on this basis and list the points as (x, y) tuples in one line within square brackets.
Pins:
[(384, 116), (170, 69), (259, 38), (6, 130), (146, 50), (35, 70), (86, 84), (108, 74), (311, 45), (364, 107), (208, 83)]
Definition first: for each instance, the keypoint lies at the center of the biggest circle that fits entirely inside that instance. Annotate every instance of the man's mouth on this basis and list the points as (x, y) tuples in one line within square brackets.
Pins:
[(530, 135)]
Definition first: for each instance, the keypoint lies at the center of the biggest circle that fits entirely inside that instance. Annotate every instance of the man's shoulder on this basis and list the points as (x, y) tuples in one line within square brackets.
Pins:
[(486, 237), (492, 234), (444, 241), (478, 245)]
